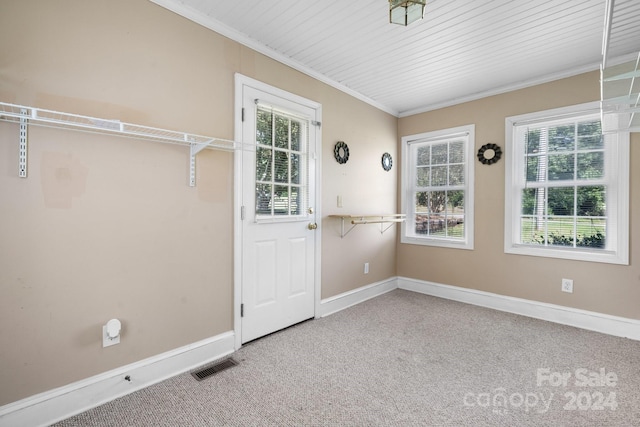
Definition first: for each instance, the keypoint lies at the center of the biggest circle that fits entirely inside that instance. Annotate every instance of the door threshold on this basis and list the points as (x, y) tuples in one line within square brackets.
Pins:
[(278, 331)]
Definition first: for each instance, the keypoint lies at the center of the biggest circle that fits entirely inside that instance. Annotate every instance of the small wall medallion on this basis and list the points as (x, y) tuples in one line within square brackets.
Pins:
[(387, 162), (489, 154), (341, 152)]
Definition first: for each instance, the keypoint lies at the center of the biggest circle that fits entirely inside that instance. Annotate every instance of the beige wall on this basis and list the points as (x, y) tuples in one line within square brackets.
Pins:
[(107, 227), (365, 188), (604, 288)]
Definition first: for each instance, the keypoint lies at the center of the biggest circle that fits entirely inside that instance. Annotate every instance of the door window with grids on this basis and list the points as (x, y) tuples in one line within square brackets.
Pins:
[(565, 183), (438, 188), (281, 164)]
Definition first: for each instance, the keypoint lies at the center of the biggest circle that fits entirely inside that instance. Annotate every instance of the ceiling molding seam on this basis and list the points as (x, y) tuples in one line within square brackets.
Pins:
[(218, 27), (516, 86)]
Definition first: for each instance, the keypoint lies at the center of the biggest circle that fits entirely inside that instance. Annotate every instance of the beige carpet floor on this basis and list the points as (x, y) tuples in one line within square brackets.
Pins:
[(403, 359)]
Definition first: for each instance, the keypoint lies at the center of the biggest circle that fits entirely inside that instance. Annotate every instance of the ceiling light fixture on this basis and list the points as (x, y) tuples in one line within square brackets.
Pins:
[(403, 12)]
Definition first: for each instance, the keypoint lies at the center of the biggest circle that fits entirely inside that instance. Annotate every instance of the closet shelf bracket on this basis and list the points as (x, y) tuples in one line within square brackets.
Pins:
[(194, 149), (22, 151), (385, 221)]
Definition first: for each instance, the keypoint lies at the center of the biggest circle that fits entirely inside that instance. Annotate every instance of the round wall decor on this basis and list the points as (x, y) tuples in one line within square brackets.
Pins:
[(387, 162), (341, 152), (489, 154)]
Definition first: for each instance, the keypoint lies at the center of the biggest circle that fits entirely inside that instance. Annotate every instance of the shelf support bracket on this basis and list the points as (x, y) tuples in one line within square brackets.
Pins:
[(355, 220), (194, 148), (383, 228), (22, 153), (342, 232)]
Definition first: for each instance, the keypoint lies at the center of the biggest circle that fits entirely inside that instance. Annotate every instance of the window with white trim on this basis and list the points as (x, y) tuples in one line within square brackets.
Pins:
[(567, 186), (437, 188)]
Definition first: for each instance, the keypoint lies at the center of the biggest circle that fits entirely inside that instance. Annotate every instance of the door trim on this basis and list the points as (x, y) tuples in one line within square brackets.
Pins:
[(240, 82)]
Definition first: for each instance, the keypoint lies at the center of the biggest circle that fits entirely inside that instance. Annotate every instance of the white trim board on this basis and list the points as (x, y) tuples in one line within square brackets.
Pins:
[(356, 296), (61, 403), (212, 24), (58, 404), (590, 320), (233, 34)]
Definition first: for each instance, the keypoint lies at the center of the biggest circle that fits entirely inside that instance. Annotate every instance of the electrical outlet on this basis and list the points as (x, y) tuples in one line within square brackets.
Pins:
[(366, 268), (339, 201), (567, 285), (106, 340)]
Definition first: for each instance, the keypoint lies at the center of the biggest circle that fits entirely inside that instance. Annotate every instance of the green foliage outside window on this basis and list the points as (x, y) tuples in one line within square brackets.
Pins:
[(278, 164), (440, 173), (559, 206)]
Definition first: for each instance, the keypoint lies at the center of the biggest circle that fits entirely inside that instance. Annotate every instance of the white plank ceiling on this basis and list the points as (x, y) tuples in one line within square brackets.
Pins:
[(461, 50)]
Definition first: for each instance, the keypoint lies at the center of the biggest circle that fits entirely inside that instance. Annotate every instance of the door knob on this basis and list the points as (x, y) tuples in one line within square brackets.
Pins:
[(312, 226)]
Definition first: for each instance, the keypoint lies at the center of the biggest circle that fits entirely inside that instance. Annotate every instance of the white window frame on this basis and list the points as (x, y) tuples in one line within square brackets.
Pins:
[(408, 234), (616, 179)]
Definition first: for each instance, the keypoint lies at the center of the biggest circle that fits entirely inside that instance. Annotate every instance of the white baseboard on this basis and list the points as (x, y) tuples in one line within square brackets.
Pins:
[(590, 320), (345, 300), (55, 405), (604, 323), (58, 404)]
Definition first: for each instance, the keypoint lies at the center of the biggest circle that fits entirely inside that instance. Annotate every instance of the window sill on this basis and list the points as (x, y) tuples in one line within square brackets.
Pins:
[(588, 255), (430, 241)]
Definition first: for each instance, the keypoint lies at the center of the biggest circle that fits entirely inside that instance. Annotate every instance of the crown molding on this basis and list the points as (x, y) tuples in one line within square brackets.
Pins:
[(226, 31)]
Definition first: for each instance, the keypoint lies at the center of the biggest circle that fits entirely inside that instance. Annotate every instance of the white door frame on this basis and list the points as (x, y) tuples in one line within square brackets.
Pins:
[(240, 82)]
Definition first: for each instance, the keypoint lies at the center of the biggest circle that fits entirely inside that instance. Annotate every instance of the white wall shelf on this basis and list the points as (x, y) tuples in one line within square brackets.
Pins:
[(620, 88), (24, 116), (619, 82), (388, 220)]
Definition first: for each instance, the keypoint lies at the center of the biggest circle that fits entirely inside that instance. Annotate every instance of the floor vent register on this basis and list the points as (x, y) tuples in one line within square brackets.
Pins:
[(208, 371)]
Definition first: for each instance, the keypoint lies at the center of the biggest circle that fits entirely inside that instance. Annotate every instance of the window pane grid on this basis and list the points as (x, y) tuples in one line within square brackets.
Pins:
[(438, 213), (439, 190), (579, 212), (563, 197), (280, 165), (574, 232), (544, 163)]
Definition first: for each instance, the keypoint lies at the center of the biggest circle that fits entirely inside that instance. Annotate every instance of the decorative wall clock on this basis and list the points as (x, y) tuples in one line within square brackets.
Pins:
[(341, 152), (387, 162), (489, 154)]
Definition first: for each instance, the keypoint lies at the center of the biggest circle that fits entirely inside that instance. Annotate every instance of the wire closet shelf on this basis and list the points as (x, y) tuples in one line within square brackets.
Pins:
[(25, 115), (619, 82)]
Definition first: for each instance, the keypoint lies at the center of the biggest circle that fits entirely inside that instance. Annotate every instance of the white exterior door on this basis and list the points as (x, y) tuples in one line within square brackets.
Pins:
[(279, 220)]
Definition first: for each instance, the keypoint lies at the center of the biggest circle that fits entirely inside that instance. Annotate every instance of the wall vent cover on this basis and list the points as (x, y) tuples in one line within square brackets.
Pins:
[(206, 372)]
